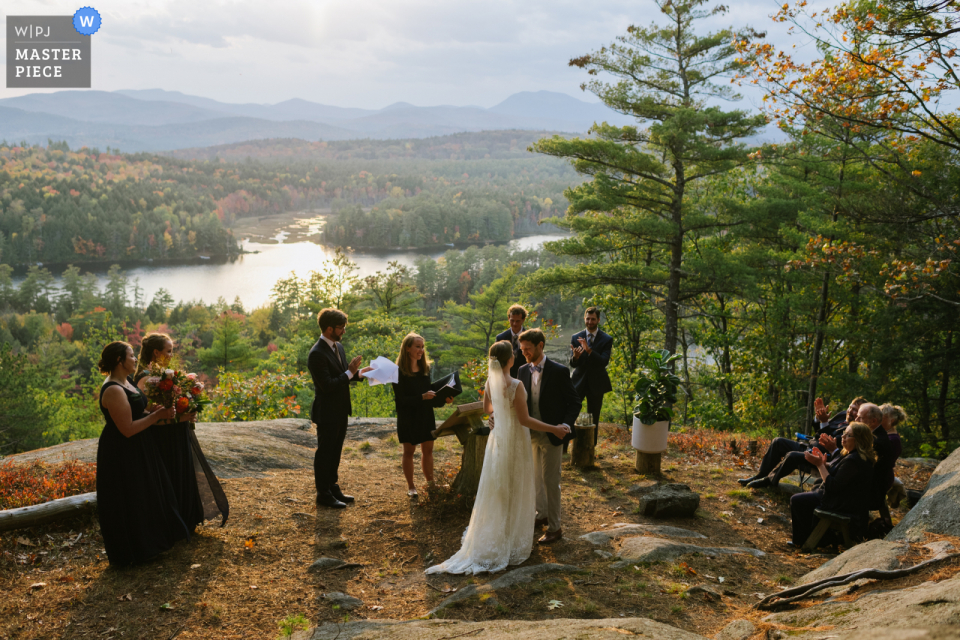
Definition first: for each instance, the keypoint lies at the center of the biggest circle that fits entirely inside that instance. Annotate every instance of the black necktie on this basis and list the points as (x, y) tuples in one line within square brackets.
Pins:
[(590, 340), (336, 349)]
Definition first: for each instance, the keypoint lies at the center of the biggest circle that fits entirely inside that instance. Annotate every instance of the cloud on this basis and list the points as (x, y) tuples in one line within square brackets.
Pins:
[(366, 53)]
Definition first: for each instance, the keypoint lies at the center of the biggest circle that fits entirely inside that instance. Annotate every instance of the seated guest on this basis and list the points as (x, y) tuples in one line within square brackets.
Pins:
[(893, 416), (780, 450), (846, 488)]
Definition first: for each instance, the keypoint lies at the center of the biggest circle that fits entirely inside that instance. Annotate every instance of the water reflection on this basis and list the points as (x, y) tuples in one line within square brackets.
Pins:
[(252, 275)]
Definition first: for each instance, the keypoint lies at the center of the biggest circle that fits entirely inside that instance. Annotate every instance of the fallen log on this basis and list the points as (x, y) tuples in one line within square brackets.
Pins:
[(47, 512)]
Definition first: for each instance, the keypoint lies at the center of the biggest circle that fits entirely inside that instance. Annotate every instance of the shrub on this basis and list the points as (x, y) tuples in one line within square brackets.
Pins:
[(36, 483)]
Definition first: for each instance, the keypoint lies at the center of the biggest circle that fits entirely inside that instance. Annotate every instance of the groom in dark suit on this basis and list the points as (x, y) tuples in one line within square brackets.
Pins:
[(332, 375), (591, 354), (516, 316), (552, 399)]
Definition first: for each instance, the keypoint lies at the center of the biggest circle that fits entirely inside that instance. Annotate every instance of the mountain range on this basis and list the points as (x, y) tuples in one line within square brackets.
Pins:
[(159, 120)]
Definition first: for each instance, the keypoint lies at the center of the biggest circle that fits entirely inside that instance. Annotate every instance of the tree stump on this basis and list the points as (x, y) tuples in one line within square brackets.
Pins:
[(584, 450), (471, 463), (466, 424), (648, 463)]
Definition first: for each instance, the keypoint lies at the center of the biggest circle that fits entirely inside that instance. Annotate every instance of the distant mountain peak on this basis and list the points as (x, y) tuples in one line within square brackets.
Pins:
[(399, 105)]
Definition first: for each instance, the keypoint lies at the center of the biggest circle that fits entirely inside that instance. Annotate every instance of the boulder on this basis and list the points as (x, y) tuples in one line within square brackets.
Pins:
[(930, 463), (645, 549), (622, 529), (342, 600), (325, 564), (881, 613), (603, 629), (874, 554), (736, 630), (938, 511), (509, 579), (669, 501)]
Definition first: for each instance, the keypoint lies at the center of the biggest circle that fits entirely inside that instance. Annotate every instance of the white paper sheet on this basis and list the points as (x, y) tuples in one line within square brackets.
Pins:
[(383, 372)]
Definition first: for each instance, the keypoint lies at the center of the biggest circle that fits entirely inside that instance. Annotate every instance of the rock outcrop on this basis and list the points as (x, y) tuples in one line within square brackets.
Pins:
[(874, 554), (938, 511), (604, 629), (646, 549)]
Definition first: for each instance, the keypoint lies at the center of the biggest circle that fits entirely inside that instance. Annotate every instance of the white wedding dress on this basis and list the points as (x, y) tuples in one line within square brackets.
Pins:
[(500, 532)]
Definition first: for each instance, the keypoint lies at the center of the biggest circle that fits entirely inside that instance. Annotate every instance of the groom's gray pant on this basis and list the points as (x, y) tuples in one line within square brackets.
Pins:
[(546, 473)]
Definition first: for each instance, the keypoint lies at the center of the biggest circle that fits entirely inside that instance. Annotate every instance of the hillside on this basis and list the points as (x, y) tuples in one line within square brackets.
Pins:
[(156, 120), (241, 580)]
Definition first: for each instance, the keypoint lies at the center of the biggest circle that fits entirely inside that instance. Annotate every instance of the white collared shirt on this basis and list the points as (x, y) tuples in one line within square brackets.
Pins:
[(336, 352), (535, 375)]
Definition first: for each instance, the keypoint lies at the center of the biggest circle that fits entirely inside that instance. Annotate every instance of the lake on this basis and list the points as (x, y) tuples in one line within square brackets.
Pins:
[(251, 276)]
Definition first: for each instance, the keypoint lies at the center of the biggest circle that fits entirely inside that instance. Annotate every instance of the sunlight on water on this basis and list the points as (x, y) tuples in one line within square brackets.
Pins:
[(252, 276)]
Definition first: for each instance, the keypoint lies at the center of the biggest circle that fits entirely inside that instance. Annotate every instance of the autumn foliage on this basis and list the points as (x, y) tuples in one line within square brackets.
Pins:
[(38, 482)]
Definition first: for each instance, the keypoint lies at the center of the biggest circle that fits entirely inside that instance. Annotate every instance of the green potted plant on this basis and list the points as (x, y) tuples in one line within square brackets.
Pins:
[(656, 392)]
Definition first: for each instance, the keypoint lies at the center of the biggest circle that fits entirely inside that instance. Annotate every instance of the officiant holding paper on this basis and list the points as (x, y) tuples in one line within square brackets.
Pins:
[(416, 398)]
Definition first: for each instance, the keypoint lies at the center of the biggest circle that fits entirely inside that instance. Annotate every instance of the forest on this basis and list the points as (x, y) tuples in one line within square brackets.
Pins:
[(60, 206), (822, 266)]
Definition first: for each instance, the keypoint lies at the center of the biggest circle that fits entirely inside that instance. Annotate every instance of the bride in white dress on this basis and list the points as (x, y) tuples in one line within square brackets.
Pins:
[(501, 529)]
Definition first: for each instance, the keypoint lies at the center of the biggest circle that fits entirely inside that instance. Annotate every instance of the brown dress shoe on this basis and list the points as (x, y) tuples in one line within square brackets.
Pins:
[(551, 536), (542, 522)]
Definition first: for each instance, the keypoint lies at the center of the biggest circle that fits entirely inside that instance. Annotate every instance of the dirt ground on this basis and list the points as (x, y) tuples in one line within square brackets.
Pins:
[(242, 580)]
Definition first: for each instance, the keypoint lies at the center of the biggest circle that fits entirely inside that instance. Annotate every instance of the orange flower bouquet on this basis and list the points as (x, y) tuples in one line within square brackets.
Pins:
[(174, 388)]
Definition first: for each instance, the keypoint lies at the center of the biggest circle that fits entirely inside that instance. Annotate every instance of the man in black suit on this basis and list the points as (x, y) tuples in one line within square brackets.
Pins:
[(552, 399), (516, 315), (591, 354), (332, 375), (784, 456)]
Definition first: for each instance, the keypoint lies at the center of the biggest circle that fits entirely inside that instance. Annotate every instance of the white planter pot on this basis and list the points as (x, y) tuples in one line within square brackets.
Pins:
[(650, 438)]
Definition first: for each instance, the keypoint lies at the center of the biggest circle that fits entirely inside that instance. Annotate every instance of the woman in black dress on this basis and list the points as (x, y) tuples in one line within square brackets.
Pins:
[(846, 488), (136, 504), (415, 402), (199, 494)]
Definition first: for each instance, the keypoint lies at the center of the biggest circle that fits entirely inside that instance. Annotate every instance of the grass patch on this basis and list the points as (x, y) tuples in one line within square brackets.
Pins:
[(292, 623), (783, 579), (366, 446), (709, 496), (740, 493), (734, 503)]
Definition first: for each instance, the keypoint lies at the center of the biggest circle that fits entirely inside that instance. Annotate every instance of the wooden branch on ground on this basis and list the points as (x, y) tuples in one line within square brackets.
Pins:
[(805, 590), (47, 512)]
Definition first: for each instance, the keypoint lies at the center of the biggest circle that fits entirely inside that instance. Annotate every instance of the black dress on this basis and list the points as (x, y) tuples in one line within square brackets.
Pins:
[(198, 492), (415, 418), (136, 504)]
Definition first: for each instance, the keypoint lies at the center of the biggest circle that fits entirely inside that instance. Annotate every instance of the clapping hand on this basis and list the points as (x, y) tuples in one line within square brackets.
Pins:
[(584, 347), (577, 351), (815, 457), (828, 442), (354, 364), (821, 410)]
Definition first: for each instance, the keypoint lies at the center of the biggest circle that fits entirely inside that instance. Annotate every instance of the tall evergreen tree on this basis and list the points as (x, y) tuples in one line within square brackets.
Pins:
[(638, 198)]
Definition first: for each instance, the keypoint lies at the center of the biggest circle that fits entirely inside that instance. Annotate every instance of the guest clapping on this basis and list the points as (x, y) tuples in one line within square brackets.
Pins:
[(846, 488), (415, 402)]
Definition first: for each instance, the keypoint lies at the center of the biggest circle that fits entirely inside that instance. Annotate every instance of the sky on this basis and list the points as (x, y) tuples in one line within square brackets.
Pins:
[(359, 53)]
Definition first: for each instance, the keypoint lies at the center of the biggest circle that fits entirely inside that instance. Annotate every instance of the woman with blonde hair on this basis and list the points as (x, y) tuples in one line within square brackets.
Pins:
[(415, 401), (200, 495), (846, 488)]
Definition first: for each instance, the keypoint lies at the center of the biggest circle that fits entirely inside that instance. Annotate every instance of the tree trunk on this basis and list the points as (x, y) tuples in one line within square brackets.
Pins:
[(945, 387), (584, 451), (48, 511), (817, 348)]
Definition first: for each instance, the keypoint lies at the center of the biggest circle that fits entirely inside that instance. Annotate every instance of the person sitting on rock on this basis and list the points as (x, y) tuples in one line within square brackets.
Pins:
[(784, 456), (847, 485)]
